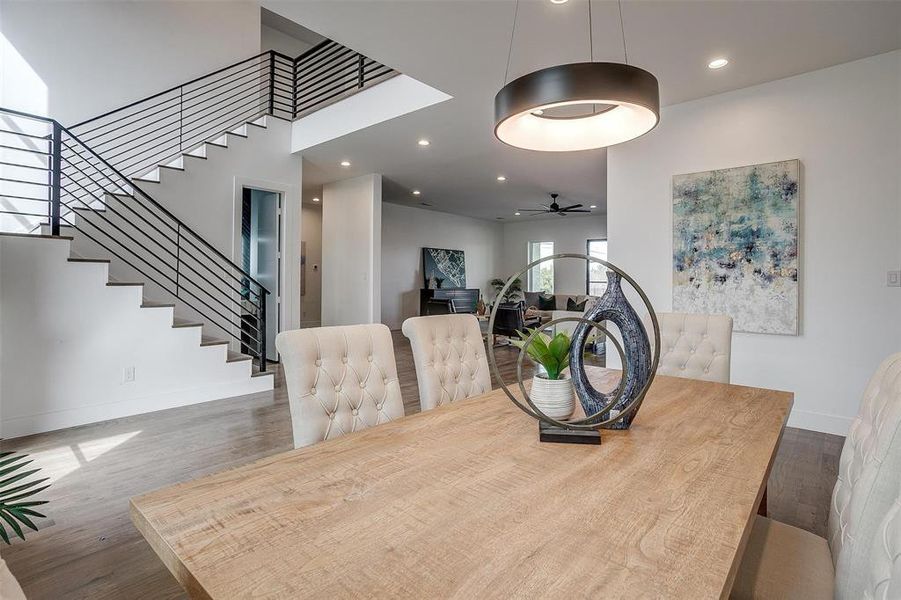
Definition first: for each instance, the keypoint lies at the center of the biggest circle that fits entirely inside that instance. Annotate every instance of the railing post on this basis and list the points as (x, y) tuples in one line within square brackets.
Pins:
[(181, 117), (56, 171), (261, 329), (272, 83), (294, 101), (360, 72)]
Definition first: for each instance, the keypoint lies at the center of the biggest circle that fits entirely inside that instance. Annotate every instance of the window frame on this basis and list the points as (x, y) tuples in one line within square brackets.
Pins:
[(588, 281), (529, 245)]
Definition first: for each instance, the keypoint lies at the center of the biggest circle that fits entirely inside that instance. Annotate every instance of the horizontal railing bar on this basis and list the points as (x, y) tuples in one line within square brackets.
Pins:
[(18, 166), (177, 100), (23, 214), (179, 103), (138, 189), (173, 126), (318, 99), (40, 183), (151, 278), (163, 221), (326, 61), (175, 243), (2, 195), (43, 138), (181, 144), (314, 50), (25, 115), (170, 89), (348, 73), (24, 150), (152, 254)]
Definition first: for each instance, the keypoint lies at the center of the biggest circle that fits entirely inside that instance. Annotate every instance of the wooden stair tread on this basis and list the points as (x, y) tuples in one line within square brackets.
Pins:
[(123, 284), (237, 357), (152, 304), (89, 260), (39, 236)]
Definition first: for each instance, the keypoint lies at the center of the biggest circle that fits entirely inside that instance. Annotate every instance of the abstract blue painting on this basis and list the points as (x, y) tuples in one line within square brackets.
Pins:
[(735, 245)]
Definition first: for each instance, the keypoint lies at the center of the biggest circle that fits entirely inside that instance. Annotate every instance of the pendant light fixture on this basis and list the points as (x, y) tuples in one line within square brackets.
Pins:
[(577, 106)]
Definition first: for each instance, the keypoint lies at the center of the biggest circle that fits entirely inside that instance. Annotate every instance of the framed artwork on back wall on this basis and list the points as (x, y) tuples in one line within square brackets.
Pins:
[(443, 268), (736, 244)]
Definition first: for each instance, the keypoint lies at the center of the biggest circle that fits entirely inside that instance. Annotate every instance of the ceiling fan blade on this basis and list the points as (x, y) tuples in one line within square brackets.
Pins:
[(560, 212), (579, 211), (571, 206), (531, 210)]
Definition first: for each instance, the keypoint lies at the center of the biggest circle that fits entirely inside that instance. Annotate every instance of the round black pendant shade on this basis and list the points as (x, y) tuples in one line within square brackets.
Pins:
[(536, 111)]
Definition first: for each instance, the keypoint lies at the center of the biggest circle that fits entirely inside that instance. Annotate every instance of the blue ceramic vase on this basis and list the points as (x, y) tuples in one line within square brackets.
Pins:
[(615, 308)]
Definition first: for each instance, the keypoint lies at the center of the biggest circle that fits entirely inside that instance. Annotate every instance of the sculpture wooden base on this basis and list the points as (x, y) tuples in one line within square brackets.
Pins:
[(554, 434)]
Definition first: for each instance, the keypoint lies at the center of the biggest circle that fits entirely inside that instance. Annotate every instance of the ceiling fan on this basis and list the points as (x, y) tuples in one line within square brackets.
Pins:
[(555, 208)]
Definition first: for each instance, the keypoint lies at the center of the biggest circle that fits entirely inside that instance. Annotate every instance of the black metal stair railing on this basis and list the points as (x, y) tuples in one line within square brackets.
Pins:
[(156, 130), (83, 176), (47, 172)]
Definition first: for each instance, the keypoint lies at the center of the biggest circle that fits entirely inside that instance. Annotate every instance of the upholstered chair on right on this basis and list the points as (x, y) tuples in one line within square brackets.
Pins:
[(340, 380), (450, 358), (860, 559), (694, 346)]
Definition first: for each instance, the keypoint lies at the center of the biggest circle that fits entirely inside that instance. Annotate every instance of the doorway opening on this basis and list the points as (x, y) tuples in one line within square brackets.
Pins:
[(261, 215)]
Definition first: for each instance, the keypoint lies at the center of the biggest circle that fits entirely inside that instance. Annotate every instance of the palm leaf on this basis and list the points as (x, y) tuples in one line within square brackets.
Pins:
[(14, 487)]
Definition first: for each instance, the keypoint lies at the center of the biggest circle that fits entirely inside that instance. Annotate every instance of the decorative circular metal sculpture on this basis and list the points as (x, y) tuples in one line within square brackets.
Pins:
[(578, 106), (617, 409)]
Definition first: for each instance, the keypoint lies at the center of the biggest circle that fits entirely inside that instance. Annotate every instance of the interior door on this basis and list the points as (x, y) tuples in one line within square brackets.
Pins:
[(265, 257)]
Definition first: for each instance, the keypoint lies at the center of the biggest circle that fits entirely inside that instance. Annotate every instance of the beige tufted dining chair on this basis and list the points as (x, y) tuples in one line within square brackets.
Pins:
[(862, 553), (340, 380), (450, 358), (694, 346)]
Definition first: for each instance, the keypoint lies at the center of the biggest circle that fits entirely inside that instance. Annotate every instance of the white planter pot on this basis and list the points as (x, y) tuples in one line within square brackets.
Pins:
[(554, 397)]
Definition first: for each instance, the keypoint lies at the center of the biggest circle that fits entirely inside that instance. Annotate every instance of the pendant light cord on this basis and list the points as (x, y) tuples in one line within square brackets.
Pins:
[(622, 29), (510, 50), (590, 34)]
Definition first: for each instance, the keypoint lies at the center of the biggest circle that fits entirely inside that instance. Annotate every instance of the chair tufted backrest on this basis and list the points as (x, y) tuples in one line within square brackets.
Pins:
[(869, 476), (340, 380), (884, 576), (694, 346), (450, 358)]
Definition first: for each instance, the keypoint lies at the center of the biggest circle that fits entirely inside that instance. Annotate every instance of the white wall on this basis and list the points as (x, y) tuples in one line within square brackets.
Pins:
[(569, 234), (273, 39), (406, 230), (76, 60), (351, 251), (844, 124), (66, 339), (311, 303)]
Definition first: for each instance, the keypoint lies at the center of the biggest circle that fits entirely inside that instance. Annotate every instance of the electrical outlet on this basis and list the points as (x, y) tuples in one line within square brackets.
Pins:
[(128, 374), (894, 279)]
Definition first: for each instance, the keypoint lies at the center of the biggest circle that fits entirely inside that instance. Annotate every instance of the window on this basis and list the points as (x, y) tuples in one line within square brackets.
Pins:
[(596, 274), (541, 278)]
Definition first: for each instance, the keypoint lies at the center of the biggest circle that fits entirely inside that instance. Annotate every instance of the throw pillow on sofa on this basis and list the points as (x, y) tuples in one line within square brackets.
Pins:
[(573, 306), (547, 302)]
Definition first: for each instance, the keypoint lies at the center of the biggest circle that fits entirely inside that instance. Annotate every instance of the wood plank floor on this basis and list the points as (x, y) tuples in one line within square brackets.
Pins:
[(91, 550)]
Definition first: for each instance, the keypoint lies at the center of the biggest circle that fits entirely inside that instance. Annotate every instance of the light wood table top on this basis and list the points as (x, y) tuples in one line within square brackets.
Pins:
[(464, 502)]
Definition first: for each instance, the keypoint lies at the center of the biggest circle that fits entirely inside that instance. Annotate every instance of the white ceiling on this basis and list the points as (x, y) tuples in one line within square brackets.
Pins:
[(461, 48)]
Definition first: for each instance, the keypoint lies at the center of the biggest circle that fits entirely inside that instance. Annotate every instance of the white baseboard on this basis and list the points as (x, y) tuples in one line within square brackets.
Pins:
[(63, 419), (814, 421)]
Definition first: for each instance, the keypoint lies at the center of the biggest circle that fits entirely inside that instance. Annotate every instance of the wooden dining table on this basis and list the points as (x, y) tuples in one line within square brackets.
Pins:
[(463, 501)]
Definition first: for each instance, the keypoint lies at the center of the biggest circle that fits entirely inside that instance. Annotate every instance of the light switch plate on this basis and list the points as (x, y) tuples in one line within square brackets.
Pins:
[(128, 374), (894, 279)]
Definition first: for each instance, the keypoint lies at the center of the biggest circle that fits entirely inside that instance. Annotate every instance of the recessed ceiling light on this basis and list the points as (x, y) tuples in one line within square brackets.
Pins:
[(345, 163), (718, 63), (593, 206), (538, 112), (558, 1), (423, 142), (516, 213), (315, 199), (501, 178), (416, 192)]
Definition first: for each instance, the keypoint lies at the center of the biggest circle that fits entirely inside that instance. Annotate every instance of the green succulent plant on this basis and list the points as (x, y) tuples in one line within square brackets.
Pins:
[(14, 506), (552, 353)]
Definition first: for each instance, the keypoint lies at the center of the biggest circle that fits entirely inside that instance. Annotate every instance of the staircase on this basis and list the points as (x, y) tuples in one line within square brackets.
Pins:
[(93, 186)]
